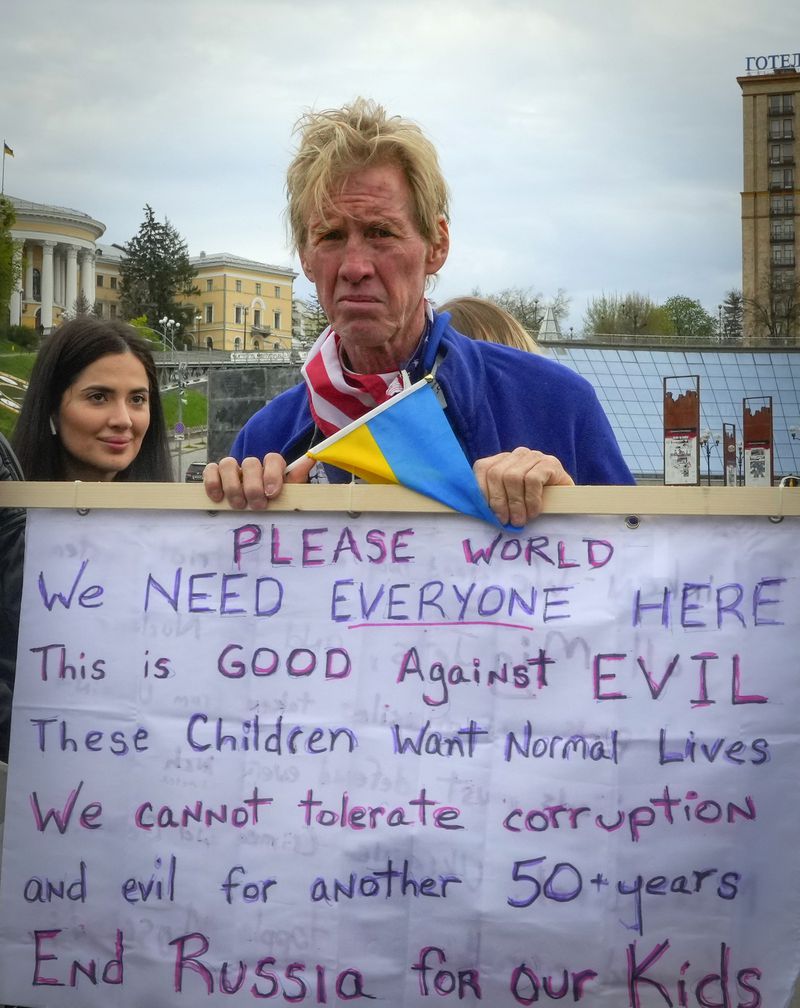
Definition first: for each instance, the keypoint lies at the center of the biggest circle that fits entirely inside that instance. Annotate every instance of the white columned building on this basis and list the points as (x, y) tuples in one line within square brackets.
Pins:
[(47, 285), (27, 291), (72, 277), (15, 304), (58, 276), (87, 275), (58, 246)]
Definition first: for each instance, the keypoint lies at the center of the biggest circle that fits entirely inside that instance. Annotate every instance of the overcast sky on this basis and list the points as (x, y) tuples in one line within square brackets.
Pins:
[(593, 145)]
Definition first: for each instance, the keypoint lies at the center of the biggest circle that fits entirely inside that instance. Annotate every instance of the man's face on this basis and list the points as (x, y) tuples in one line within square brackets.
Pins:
[(369, 263)]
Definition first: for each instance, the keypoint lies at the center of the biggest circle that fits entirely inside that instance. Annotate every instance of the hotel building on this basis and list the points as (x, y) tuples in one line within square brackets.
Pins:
[(770, 203)]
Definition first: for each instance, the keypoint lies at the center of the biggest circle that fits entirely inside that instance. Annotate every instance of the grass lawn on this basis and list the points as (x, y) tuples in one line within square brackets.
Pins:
[(20, 365), (195, 409)]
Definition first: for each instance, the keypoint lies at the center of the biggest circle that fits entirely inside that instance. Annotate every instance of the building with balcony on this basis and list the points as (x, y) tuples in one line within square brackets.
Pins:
[(770, 205), (241, 304)]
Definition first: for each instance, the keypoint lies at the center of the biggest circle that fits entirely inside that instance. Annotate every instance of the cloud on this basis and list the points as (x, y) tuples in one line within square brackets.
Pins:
[(595, 147)]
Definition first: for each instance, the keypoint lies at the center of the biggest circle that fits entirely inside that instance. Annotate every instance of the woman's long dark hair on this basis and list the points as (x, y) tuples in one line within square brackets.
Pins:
[(69, 349)]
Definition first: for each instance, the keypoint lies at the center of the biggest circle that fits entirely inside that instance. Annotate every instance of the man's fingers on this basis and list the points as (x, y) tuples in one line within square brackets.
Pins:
[(222, 481), (212, 483), (271, 471), (301, 470), (513, 482), (253, 483)]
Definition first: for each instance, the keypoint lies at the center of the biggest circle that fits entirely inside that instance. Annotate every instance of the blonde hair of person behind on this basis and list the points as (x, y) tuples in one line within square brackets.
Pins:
[(484, 320), (336, 142)]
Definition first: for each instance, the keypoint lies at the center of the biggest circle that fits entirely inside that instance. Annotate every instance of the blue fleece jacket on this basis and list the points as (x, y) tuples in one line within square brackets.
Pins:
[(498, 399)]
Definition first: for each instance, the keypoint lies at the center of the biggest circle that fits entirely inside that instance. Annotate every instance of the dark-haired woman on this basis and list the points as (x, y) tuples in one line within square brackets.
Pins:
[(92, 412)]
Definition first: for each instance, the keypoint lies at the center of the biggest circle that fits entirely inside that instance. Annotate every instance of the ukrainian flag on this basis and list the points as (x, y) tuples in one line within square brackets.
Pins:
[(408, 441)]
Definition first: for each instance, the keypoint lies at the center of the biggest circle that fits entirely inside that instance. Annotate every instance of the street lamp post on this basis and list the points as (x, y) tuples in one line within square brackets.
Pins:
[(244, 327), (180, 431), (706, 439), (168, 329), (794, 431)]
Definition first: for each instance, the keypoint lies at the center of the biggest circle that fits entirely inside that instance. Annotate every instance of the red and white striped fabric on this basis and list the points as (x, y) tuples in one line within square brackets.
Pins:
[(336, 395)]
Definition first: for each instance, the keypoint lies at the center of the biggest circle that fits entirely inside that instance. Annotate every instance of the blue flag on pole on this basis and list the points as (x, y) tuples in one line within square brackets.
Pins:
[(408, 441)]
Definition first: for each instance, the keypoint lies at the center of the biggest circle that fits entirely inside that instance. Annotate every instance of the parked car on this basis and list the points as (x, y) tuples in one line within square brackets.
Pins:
[(194, 472)]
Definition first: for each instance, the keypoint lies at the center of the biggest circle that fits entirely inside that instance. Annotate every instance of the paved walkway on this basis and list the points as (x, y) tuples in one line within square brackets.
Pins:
[(193, 449)]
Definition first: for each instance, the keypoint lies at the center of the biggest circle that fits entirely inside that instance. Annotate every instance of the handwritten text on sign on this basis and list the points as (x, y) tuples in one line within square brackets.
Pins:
[(323, 759)]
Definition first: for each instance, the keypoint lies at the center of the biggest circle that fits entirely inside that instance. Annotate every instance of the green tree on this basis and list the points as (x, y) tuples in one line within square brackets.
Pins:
[(689, 319), (659, 322), (631, 314), (602, 316), (146, 333), (528, 307), (732, 316), (636, 314), (775, 313), (80, 306), (10, 264), (155, 273), (314, 321)]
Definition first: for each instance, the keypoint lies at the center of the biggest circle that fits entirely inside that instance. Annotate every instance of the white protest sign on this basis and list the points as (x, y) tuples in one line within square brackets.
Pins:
[(323, 759)]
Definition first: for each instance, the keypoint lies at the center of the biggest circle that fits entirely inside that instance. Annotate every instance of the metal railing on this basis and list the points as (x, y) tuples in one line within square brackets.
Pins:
[(647, 342)]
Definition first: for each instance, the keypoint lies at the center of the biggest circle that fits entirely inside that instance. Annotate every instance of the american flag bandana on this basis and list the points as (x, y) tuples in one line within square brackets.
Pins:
[(336, 395)]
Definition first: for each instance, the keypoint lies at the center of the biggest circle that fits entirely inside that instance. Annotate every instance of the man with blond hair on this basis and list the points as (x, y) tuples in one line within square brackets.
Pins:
[(369, 217)]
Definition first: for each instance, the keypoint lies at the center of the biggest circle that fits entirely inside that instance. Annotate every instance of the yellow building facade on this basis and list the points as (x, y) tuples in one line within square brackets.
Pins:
[(241, 305), (770, 196)]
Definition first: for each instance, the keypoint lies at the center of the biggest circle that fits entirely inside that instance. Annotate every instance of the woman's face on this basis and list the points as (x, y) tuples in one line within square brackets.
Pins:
[(103, 417)]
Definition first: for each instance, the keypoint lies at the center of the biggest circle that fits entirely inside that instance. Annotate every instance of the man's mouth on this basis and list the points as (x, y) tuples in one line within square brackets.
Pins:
[(357, 299)]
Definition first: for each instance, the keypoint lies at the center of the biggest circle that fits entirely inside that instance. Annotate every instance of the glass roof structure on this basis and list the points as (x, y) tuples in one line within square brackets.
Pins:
[(629, 384)]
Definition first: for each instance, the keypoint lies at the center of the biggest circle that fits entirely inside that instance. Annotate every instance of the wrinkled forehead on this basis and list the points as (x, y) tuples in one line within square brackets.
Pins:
[(371, 193)]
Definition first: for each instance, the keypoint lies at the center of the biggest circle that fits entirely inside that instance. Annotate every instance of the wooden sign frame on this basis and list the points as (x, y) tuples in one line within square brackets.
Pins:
[(772, 502)]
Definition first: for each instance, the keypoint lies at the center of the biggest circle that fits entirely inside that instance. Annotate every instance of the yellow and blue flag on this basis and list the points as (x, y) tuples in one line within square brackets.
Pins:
[(408, 441)]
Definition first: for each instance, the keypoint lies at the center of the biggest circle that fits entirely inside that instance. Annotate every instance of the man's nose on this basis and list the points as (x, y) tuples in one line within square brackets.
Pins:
[(356, 260)]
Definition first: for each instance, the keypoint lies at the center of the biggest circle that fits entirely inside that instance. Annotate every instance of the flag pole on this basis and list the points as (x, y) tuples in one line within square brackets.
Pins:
[(6, 150), (387, 404)]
